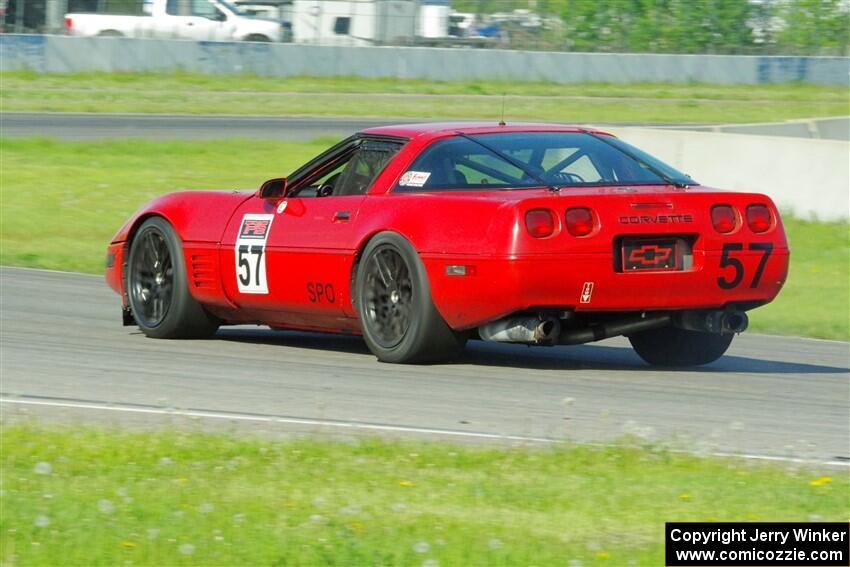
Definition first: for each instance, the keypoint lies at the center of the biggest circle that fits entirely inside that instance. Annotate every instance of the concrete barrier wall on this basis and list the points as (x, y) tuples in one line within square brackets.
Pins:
[(832, 128), (67, 54), (808, 176), (811, 178)]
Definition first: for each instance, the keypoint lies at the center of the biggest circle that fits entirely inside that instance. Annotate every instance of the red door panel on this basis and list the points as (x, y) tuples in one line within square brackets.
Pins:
[(302, 264)]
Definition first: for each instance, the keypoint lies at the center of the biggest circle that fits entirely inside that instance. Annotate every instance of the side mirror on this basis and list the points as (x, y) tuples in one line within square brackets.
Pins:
[(273, 188)]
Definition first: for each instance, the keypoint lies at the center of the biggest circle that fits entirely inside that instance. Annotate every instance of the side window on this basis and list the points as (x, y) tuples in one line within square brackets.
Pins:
[(201, 8), (457, 163), (351, 172), (331, 177), (323, 182), (205, 9), (364, 167), (342, 25)]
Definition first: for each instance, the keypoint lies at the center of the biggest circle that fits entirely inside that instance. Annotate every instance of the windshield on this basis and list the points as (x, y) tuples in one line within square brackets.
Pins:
[(522, 160), (231, 7)]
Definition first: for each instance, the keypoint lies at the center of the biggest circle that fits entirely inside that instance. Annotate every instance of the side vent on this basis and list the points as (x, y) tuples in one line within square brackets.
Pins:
[(204, 270)]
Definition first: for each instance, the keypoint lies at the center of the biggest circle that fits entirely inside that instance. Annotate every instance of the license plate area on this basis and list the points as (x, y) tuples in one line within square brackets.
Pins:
[(654, 253)]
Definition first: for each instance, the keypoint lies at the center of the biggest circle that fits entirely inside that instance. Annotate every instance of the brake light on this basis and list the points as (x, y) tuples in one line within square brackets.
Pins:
[(758, 218), (723, 218), (540, 223), (579, 221), (68, 23)]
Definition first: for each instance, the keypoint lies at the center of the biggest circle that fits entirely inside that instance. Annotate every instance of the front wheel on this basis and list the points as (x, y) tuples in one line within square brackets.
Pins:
[(671, 346), (157, 286), (393, 301)]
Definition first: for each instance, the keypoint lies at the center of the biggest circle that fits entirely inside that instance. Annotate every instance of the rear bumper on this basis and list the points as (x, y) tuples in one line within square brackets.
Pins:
[(496, 287)]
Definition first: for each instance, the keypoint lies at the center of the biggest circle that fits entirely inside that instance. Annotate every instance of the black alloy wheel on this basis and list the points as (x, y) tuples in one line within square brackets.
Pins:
[(157, 287), (388, 296), (393, 301), (152, 286)]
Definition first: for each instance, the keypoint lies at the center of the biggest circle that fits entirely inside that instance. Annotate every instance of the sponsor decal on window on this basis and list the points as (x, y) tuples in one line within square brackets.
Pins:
[(414, 178)]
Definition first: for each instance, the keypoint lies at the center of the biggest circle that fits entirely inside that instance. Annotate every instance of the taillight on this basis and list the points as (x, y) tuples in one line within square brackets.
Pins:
[(540, 223), (579, 221), (758, 218), (68, 23), (723, 218)]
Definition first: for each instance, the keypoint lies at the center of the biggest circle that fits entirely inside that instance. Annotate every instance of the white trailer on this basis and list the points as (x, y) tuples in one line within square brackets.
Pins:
[(354, 22)]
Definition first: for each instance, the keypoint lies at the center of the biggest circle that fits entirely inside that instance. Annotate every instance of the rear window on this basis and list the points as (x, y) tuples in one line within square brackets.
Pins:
[(532, 159)]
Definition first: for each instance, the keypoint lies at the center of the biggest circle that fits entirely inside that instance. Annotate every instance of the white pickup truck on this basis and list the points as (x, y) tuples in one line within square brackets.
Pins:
[(216, 20)]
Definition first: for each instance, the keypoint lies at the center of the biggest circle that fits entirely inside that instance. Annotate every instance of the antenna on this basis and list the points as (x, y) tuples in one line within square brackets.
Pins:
[(502, 119)]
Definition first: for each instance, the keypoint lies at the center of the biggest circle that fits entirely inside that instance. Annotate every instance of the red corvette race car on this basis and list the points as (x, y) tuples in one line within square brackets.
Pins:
[(422, 236)]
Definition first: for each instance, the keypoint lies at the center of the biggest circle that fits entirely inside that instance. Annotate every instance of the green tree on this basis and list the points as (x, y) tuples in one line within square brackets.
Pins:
[(814, 26), (686, 26)]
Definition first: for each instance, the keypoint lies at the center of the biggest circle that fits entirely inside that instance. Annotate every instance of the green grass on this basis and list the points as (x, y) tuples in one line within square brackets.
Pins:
[(62, 201), (816, 299), (77, 496), (343, 96)]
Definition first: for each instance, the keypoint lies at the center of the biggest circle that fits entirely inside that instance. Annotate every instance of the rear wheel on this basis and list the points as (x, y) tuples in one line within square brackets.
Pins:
[(393, 300), (157, 286), (671, 346)]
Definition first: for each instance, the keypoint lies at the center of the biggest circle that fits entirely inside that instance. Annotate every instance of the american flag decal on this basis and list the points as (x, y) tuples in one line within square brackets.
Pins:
[(252, 228)]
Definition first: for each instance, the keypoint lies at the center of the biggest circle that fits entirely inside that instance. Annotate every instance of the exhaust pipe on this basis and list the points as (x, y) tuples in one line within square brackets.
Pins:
[(716, 322), (735, 322), (614, 329), (526, 330), (547, 330)]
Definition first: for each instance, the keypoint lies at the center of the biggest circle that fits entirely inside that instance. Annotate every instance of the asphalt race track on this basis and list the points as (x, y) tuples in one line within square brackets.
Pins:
[(65, 355), (98, 126), (101, 126)]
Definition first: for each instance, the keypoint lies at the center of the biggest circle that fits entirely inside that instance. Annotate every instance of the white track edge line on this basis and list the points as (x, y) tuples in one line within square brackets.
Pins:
[(376, 427), (274, 419)]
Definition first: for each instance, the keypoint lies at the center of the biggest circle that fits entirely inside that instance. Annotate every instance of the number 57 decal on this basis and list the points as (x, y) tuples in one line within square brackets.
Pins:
[(727, 260), (249, 251)]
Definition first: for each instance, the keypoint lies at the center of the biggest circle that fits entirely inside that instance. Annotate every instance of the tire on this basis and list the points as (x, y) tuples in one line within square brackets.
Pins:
[(157, 287), (110, 33), (671, 346), (258, 37), (393, 301)]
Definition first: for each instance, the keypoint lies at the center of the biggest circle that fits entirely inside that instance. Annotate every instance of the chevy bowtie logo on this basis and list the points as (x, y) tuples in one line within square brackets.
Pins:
[(650, 255)]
